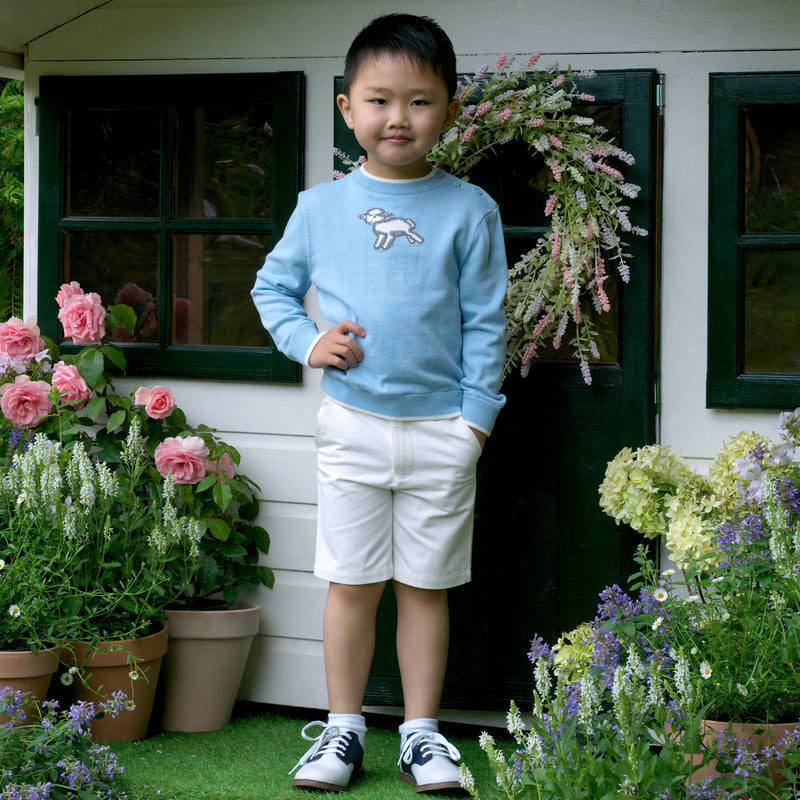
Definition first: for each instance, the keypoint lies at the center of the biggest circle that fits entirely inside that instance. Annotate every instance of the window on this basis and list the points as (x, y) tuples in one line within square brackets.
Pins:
[(166, 193), (754, 241)]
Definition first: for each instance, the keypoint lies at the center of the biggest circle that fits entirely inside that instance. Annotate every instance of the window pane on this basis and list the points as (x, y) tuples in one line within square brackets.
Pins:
[(224, 164), (772, 324), (212, 279), (112, 165), (121, 268), (772, 168)]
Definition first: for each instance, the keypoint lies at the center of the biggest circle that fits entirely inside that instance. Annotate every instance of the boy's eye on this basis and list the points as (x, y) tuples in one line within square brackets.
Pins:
[(420, 103), (379, 101)]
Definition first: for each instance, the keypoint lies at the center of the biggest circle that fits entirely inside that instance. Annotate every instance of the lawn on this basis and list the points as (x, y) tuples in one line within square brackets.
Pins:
[(250, 759)]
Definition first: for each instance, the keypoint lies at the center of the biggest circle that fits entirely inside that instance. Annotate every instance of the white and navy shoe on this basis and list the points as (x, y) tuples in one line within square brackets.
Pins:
[(430, 763), (334, 762)]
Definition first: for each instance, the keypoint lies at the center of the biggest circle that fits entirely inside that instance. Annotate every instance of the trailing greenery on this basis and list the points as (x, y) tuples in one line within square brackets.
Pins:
[(11, 195)]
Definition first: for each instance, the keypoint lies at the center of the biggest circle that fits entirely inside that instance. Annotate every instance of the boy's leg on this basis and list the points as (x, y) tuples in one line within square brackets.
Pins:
[(336, 759), (348, 631), (423, 635), (427, 760)]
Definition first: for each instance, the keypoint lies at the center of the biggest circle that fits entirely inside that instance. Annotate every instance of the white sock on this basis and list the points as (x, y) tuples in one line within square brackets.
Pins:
[(415, 725), (350, 722)]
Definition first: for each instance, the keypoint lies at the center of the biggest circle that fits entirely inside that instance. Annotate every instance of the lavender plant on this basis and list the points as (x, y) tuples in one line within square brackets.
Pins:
[(557, 289), (52, 757), (618, 712)]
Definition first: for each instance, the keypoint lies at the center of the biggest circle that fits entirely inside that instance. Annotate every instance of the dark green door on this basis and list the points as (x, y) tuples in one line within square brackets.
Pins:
[(543, 549)]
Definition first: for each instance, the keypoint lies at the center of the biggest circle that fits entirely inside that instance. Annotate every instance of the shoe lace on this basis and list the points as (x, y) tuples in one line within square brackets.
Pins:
[(428, 742), (331, 740)]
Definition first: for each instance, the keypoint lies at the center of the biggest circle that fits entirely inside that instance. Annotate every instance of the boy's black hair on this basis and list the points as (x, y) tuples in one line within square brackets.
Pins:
[(418, 38)]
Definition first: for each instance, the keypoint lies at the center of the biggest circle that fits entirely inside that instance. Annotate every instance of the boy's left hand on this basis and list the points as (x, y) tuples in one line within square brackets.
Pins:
[(480, 436)]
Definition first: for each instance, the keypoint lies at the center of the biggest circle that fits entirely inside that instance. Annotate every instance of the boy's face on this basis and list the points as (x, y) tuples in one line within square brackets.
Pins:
[(397, 110)]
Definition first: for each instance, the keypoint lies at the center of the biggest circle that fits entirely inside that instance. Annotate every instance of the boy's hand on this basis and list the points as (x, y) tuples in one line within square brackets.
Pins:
[(336, 349), (480, 436)]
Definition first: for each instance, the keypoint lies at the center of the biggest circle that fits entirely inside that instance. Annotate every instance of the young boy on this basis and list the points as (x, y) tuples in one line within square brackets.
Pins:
[(410, 271)]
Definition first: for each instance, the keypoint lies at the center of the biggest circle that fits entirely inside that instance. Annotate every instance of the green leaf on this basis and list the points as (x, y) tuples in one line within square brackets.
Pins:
[(91, 365), (207, 574), (115, 420), (114, 355), (231, 550), (220, 529), (123, 315), (260, 537), (249, 511), (222, 495), (266, 577), (94, 407), (209, 480)]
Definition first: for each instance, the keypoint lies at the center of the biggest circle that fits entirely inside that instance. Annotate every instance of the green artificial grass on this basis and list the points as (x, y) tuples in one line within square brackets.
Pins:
[(250, 759)]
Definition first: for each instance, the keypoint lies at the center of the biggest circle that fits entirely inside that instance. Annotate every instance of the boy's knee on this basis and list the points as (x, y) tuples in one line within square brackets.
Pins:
[(356, 594)]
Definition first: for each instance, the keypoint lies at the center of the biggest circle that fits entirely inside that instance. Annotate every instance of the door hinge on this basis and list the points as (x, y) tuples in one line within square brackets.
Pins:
[(660, 94)]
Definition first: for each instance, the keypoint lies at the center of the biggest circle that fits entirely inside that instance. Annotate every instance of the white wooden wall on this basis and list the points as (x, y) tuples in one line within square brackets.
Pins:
[(273, 425)]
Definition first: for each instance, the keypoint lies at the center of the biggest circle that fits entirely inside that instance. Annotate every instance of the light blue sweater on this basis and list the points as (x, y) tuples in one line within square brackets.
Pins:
[(421, 267)]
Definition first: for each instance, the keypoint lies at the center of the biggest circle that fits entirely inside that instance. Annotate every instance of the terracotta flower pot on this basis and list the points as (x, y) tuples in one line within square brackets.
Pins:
[(760, 735), (204, 666), (131, 666), (26, 671)]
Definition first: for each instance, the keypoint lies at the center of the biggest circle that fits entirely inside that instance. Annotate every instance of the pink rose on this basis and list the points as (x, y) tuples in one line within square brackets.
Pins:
[(67, 291), (20, 339), (83, 318), (71, 385), (184, 459), (25, 402), (158, 402), (222, 466)]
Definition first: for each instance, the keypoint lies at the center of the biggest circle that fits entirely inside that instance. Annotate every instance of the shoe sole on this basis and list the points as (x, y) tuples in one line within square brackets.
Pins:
[(447, 787), (321, 786)]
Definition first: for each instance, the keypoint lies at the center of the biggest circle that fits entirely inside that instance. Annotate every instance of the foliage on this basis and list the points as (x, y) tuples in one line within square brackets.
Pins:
[(619, 702), (736, 535), (176, 492), (558, 285), (117, 550), (52, 757), (617, 712), (11, 196)]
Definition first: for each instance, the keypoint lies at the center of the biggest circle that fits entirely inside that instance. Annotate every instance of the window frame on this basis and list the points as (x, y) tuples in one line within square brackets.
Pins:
[(59, 94), (727, 384)]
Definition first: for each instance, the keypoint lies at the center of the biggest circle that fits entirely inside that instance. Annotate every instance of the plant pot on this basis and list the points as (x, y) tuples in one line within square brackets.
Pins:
[(204, 666), (110, 667), (760, 735), (26, 671)]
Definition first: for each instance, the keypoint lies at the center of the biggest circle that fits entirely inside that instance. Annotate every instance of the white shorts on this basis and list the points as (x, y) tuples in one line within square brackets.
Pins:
[(396, 498)]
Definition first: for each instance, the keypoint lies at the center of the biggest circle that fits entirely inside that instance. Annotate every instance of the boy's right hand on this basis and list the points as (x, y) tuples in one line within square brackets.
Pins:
[(336, 348)]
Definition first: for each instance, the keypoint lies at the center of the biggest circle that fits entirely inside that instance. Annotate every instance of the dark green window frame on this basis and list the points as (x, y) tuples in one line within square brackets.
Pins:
[(61, 95), (727, 383)]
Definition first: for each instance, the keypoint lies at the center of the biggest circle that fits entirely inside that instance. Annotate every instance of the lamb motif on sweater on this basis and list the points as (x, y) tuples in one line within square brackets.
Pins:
[(388, 228)]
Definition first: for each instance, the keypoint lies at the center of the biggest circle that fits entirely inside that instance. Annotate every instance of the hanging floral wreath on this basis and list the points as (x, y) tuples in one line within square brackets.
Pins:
[(550, 286)]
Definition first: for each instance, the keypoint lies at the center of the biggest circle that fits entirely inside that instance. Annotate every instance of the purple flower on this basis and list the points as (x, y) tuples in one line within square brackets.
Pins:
[(539, 649)]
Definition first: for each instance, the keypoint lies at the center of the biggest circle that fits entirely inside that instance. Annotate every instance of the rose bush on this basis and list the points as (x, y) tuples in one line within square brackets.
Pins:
[(70, 398)]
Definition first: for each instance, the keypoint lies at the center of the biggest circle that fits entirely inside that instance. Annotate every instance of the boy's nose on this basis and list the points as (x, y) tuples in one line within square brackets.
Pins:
[(398, 118)]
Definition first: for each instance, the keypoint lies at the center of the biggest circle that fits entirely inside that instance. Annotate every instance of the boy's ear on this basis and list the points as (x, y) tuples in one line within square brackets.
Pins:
[(452, 110), (343, 102)]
